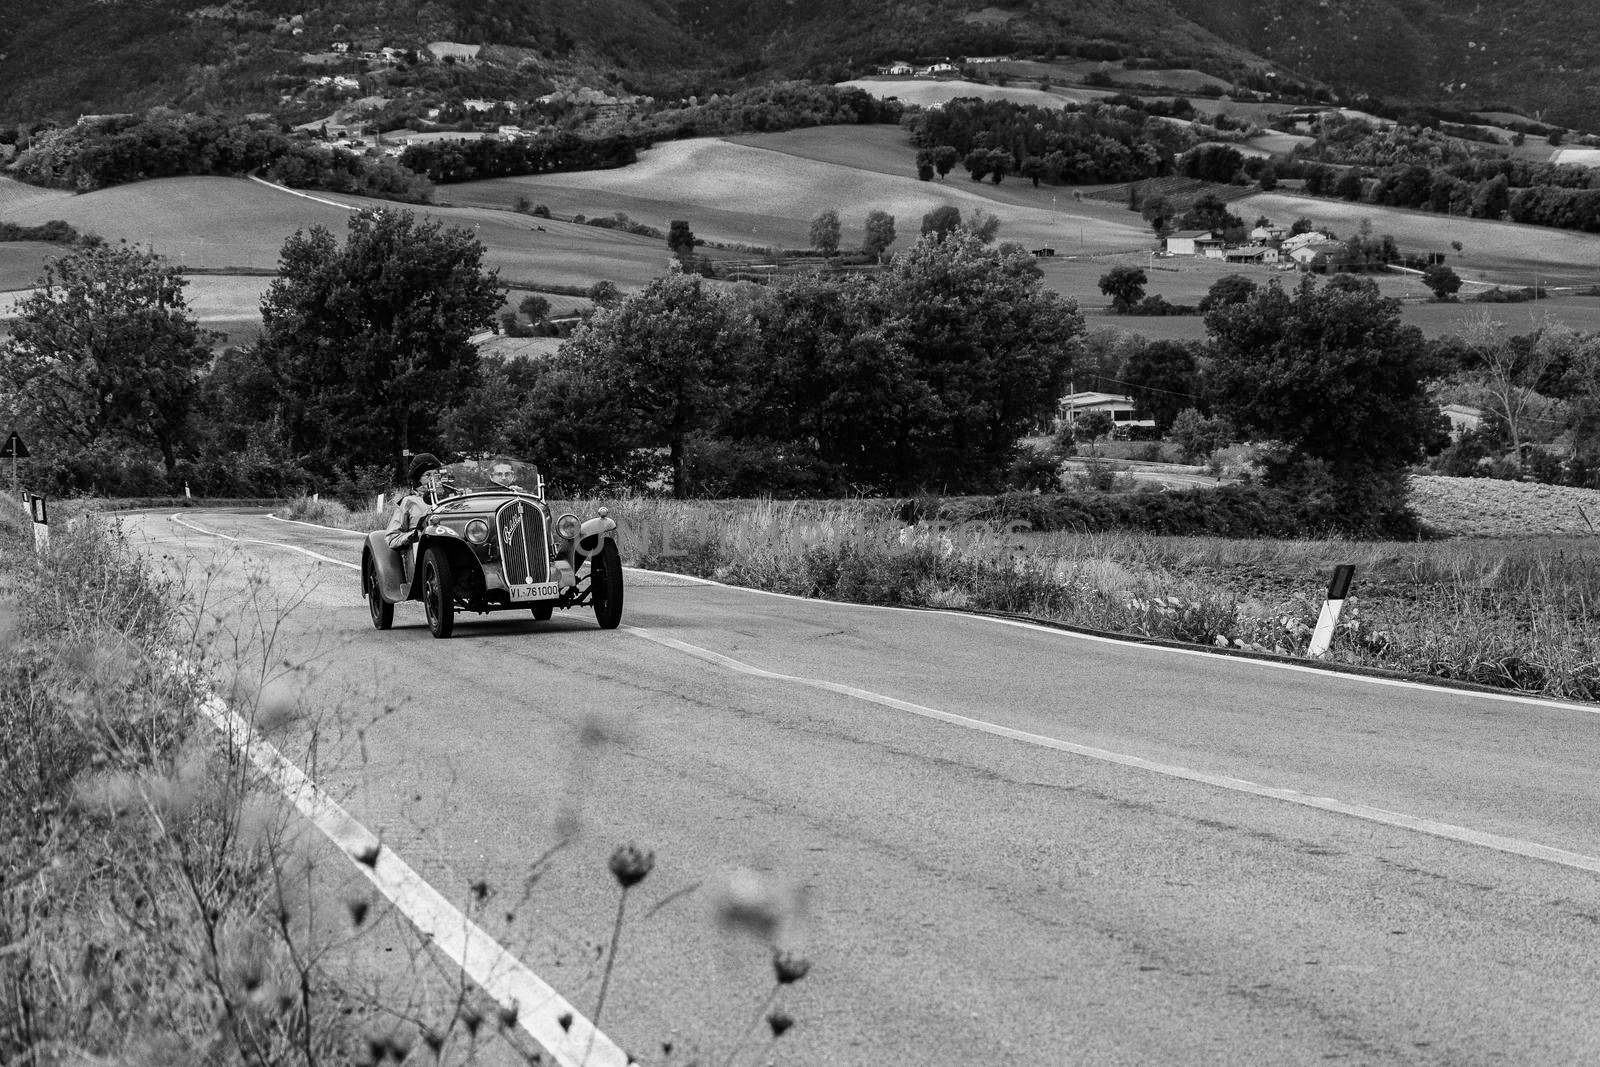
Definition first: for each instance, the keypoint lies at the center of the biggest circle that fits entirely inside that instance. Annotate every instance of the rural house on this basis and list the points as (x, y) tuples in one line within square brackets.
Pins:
[(1251, 254), (459, 53), (1121, 408), (1323, 255), (1194, 243), (1463, 417)]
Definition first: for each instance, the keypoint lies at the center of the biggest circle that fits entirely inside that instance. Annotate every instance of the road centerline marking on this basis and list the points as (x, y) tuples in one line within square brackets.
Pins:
[(1463, 834)]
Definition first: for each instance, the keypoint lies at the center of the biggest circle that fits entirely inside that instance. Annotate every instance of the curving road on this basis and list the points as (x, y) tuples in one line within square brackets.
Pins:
[(1015, 845)]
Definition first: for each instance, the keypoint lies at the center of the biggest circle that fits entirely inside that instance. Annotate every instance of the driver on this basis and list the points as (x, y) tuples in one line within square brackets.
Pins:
[(503, 474)]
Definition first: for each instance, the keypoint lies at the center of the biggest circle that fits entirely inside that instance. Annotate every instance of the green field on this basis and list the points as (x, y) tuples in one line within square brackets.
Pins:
[(763, 190), (759, 196)]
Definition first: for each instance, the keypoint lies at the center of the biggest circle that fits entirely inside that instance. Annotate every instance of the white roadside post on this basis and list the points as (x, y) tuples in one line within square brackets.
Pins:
[(382, 499), (41, 524), (1337, 590)]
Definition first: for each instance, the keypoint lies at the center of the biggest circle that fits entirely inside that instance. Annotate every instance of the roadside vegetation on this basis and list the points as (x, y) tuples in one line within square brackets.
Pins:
[(161, 903)]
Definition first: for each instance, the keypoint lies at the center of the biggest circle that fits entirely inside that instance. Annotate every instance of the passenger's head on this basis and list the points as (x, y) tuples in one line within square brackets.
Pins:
[(503, 473), (421, 465)]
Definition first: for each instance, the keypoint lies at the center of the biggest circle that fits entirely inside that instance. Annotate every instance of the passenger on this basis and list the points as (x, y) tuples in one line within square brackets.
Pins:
[(405, 525)]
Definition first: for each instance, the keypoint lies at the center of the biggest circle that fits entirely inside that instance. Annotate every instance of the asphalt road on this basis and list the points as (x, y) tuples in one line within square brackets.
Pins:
[(1013, 845)]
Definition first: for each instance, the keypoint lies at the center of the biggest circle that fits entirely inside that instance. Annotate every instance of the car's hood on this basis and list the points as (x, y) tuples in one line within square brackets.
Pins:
[(484, 503)]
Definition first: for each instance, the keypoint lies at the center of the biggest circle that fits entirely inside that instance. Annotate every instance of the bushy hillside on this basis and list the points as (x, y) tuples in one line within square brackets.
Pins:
[(92, 56)]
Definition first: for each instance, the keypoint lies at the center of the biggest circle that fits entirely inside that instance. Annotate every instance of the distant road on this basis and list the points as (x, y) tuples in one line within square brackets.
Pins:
[(1018, 846)]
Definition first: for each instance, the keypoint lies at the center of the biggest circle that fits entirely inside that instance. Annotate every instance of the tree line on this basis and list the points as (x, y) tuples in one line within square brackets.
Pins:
[(921, 376), (1097, 142)]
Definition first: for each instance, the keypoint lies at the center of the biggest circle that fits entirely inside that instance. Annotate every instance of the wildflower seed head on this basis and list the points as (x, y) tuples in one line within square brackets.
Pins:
[(358, 912), (507, 1015), (790, 967), (780, 1022), (434, 1040), (470, 1019), (630, 865), (754, 903), (480, 891), (368, 854), (565, 1021)]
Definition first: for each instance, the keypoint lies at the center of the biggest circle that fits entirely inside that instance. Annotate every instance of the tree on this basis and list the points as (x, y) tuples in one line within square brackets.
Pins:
[(1228, 289), (1091, 426), (1444, 282), (984, 225), (1162, 376), (1197, 436), (658, 362), (945, 159), (880, 233), (1334, 376), (105, 352), (680, 239), (369, 343), (536, 307), (604, 294), (1506, 371), (825, 232), (941, 221), (1125, 287), (990, 343)]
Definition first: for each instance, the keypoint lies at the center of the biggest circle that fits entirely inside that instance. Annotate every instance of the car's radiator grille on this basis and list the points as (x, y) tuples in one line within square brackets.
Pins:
[(524, 545)]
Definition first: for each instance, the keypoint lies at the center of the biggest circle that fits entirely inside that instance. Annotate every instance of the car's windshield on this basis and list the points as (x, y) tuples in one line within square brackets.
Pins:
[(490, 473)]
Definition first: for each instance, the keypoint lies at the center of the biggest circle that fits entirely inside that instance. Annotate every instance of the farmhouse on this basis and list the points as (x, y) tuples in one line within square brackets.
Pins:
[(1194, 243), (459, 53), (1319, 256), (898, 67), (1463, 417), (1251, 254), (1122, 410)]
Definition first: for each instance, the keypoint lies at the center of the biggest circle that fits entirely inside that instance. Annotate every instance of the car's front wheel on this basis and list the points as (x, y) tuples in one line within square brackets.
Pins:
[(605, 586), (382, 610), (438, 593)]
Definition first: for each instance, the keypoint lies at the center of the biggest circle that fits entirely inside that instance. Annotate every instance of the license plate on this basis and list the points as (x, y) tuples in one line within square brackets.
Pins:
[(537, 591)]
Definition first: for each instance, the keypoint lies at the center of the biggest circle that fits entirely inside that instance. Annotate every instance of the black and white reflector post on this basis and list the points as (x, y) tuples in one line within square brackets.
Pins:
[(41, 524), (1338, 589)]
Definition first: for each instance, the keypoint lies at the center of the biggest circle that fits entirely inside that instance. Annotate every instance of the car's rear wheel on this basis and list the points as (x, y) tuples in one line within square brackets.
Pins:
[(438, 593), (605, 586), (382, 610), (542, 612)]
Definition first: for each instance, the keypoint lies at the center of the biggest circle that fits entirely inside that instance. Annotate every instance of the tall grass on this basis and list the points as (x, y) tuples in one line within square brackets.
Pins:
[(1522, 615)]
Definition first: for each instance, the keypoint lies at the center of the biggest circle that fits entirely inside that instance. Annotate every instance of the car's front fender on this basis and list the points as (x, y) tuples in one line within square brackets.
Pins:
[(593, 533), (386, 564)]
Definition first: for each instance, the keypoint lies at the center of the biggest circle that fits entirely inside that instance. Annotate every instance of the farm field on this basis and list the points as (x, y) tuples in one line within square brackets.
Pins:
[(21, 262), (927, 92), (1487, 507), (737, 193), (888, 150), (15, 195), (1498, 252)]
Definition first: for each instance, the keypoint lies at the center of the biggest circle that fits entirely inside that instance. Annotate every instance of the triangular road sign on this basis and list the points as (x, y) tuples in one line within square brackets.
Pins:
[(14, 448)]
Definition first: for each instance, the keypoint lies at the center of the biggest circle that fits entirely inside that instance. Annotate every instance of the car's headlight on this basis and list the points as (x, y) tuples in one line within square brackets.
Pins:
[(567, 527), (477, 531)]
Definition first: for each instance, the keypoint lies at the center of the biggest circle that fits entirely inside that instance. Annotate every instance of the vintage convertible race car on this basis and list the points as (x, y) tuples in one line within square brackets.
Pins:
[(490, 543)]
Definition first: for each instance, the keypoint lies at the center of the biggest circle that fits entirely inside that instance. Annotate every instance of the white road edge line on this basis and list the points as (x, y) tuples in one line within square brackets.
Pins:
[(538, 1006), (1298, 668), (1465, 835), (500, 974)]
